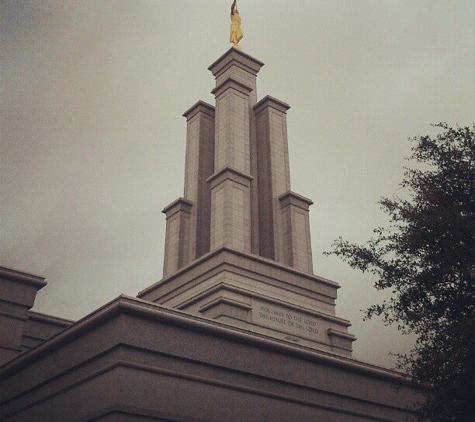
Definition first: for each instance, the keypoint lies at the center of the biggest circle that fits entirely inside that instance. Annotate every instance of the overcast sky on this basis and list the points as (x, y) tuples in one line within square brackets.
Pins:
[(93, 138)]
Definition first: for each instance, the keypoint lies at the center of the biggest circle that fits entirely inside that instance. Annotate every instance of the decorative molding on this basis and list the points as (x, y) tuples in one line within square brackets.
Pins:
[(251, 257), (198, 107), (227, 301), (22, 277), (180, 204), (49, 319), (335, 333), (231, 83), (292, 198), (228, 173), (269, 101), (237, 58)]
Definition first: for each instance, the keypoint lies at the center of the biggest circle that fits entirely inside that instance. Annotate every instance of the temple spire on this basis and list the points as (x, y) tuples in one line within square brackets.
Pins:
[(238, 246)]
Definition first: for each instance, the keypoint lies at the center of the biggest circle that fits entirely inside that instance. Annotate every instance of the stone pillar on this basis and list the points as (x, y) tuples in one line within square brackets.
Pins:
[(177, 240), (234, 216), (232, 147), (199, 166), (230, 210), (236, 146), (17, 295), (273, 174), (296, 235), (230, 185)]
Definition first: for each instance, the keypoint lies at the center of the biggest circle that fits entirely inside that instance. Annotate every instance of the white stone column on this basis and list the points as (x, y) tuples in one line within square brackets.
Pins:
[(236, 147), (177, 240), (296, 235), (199, 166), (230, 185), (232, 137), (273, 174), (230, 210)]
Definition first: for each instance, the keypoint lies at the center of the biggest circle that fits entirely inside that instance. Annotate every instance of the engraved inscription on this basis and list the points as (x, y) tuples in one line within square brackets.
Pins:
[(285, 320)]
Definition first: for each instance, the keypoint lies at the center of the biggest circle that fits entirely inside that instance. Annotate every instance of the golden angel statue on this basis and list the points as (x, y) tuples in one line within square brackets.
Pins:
[(236, 31)]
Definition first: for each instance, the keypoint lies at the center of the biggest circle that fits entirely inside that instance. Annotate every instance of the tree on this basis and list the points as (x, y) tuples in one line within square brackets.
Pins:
[(426, 259)]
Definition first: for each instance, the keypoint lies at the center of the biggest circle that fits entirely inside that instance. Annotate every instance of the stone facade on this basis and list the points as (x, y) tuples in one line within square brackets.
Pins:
[(132, 360)]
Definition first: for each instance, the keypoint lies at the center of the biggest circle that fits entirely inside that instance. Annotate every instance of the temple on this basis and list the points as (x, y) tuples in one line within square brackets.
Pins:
[(240, 218), (238, 329)]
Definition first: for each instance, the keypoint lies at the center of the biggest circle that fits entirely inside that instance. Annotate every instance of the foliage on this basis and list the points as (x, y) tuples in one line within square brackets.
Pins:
[(426, 258)]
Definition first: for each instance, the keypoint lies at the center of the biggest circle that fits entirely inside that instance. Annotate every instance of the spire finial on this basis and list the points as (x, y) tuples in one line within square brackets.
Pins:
[(236, 31)]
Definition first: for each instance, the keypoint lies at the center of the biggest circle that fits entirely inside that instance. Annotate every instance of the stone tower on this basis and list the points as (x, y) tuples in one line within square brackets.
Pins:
[(238, 244)]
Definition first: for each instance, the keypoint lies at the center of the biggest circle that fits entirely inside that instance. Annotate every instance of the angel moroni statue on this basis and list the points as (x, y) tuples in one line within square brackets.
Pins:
[(236, 31)]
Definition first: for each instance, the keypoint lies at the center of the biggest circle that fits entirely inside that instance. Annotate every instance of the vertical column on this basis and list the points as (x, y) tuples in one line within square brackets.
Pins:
[(230, 210), (296, 236), (17, 295), (177, 240), (232, 137), (239, 69), (199, 166), (273, 174), (230, 185)]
